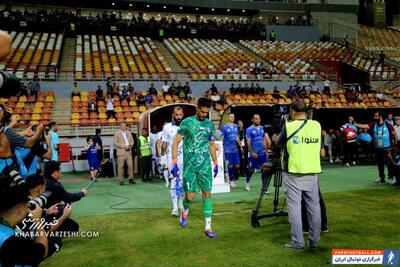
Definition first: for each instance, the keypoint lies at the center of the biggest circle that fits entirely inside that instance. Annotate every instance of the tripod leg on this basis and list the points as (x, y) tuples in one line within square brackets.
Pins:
[(254, 217)]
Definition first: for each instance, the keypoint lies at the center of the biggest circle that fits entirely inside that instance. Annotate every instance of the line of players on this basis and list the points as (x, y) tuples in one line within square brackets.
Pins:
[(257, 141)]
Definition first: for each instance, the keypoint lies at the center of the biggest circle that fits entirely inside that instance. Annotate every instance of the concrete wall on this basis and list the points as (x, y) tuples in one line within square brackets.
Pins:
[(294, 33), (325, 18)]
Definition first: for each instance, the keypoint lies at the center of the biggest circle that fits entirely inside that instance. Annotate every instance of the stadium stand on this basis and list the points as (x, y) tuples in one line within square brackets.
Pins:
[(296, 57), (376, 39), (212, 59), (29, 110), (125, 58), (34, 54), (126, 110)]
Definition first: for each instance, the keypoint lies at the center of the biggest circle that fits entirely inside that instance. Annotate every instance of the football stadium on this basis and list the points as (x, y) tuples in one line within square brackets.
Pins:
[(199, 133)]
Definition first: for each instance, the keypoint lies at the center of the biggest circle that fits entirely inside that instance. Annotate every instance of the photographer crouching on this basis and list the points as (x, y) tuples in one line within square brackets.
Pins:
[(55, 216), (302, 138), (58, 195)]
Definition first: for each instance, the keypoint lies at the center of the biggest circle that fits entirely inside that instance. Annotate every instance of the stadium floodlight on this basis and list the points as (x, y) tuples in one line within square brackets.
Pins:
[(180, 8), (243, 10), (197, 8), (130, 4), (165, 7), (212, 9), (228, 10), (113, 4), (148, 6)]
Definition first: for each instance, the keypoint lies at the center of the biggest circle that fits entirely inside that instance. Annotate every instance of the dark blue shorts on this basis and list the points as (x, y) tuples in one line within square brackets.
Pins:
[(232, 158), (94, 165), (258, 162)]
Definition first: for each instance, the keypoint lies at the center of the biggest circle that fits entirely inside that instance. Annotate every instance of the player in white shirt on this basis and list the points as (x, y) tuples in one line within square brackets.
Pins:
[(168, 135), (154, 137)]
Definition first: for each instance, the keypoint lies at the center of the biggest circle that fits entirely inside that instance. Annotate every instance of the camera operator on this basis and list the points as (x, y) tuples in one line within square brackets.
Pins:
[(302, 138), (36, 185), (59, 194), (16, 250)]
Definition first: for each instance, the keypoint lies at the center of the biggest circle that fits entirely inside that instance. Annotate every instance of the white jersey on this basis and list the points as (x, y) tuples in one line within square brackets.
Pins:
[(168, 136), (153, 142)]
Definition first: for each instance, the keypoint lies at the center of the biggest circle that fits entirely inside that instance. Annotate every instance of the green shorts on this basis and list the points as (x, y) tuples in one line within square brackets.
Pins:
[(197, 181)]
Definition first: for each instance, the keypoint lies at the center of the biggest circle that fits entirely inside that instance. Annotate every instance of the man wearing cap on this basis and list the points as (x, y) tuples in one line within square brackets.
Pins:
[(301, 167)]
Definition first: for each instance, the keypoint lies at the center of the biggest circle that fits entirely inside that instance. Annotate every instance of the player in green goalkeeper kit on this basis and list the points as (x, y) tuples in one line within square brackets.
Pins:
[(197, 133)]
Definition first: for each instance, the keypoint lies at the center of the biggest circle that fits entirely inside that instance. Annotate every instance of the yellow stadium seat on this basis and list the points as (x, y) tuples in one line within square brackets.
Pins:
[(142, 109), (75, 116), (76, 99)]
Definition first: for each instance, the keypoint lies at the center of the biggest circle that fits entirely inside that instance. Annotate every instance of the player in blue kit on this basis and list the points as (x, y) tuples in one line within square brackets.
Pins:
[(93, 157), (258, 143), (230, 138)]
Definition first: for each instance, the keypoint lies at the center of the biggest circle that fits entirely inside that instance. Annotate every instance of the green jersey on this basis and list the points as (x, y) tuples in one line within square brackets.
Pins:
[(196, 143)]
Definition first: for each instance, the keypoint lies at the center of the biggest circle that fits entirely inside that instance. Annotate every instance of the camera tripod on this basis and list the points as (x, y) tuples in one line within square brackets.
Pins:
[(277, 212)]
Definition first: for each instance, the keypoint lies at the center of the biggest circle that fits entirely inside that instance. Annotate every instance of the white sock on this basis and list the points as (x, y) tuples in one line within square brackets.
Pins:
[(174, 199), (208, 223)]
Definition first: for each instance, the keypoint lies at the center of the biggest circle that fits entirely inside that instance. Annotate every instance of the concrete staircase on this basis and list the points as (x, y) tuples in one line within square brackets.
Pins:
[(62, 114), (67, 60), (181, 74)]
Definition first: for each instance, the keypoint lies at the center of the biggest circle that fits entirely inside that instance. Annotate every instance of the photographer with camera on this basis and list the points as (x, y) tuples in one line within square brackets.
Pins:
[(16, 250), (59, 194), (302, 138), (36, 185), (28, 157)]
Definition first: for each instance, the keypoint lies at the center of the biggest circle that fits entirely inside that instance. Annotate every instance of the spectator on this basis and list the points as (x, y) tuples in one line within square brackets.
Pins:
[(214, 90), (382, 58), (365, 141), (141, 101), (152, 90), (252, 89), (291, 92), (55, 142), (272, 36), (124, 93), (172, 89), (149, 99), (222, 100), (327, 87), (232, 89), (115, 91), (259, 90), (34, 86), (165, 88), (240, 89), (244, 156), (110, 107), (389, 119), (99, 93), (188, 91), (75, 91), (92, 107), (379, 97), (130, 89), (109, 87), (275, 93), (313, 88)]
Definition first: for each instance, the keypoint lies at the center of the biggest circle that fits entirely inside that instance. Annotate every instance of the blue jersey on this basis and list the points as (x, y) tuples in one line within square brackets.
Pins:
[(93, 156), (256, 137), (230, 134)]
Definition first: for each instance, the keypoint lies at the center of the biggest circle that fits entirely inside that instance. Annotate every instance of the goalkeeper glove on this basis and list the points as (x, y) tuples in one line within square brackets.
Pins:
[(175, 169), (178, 188), (215, 169)]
